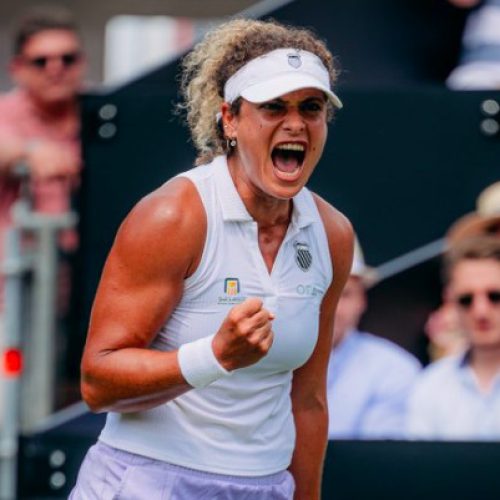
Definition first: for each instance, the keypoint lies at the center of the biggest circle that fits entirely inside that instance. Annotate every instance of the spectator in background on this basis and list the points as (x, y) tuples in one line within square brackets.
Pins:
[(445, 333), (479, 66), (369, 378), (39, 119), (443, 327), (458, 397)]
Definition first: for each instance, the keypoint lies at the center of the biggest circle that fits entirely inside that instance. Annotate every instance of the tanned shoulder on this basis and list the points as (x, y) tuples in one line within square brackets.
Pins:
[(168, 225), (340, 237)]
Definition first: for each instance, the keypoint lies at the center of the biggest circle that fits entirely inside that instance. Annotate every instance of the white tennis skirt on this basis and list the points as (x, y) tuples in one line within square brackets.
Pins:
[(111, 474)]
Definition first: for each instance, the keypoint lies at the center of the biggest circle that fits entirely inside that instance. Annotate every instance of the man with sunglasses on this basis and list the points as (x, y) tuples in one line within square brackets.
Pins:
[(458, 397), (39, 119)]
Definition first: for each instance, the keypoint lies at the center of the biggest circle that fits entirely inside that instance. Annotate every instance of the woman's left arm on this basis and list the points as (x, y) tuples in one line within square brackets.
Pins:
[(309, 404)]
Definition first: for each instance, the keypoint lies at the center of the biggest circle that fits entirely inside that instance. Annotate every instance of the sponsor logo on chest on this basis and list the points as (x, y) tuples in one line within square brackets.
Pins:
[(232, 292)]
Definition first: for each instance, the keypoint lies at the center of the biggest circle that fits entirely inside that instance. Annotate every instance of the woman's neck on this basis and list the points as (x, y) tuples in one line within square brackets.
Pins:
[(264, 209)]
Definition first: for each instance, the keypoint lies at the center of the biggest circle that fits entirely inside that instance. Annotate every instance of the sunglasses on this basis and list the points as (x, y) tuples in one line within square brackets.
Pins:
[(67, 60), (466, 300)]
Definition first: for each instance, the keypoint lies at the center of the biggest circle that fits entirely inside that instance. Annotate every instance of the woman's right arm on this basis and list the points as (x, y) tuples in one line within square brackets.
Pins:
[(157, 247)]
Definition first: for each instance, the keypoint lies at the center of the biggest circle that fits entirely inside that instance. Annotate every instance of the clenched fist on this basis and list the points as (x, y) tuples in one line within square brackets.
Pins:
[(245, 335)]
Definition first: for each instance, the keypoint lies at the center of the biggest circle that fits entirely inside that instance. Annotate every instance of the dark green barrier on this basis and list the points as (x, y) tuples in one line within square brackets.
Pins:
[(400, 470), (354, 470)]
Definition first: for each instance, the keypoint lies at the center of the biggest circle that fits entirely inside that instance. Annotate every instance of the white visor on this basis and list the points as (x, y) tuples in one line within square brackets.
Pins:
[(277, 73)]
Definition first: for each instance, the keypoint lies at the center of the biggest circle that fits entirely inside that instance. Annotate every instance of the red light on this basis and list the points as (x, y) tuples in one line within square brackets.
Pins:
[(12, 362)]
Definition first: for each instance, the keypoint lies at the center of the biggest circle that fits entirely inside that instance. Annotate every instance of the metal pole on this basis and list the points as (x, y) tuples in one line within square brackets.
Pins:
[(40, 350), (13, 268), (24, 402), (39, 378)]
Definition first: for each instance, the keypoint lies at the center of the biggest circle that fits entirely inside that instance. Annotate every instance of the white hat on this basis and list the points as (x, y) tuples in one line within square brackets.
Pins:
[(367, 274), (278, 72)]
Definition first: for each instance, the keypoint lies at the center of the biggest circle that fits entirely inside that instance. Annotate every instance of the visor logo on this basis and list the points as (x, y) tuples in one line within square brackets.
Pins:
[(294, 60), (303, 256)]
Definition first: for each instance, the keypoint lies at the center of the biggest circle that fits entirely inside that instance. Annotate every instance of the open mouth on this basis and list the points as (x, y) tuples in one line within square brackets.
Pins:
[(288, 157)]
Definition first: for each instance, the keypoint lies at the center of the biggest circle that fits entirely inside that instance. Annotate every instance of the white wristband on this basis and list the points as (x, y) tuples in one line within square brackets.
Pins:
[(198, 363)]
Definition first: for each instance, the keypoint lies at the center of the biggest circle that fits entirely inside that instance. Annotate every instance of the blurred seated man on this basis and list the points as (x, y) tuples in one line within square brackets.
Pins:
[(39, 119), (458, 397), (369, 378)]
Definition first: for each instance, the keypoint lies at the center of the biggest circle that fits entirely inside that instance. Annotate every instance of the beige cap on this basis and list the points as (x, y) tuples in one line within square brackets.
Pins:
[(485, 220)]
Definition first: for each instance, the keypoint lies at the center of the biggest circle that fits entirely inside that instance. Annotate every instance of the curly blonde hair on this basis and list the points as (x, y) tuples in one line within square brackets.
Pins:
[(217, 57)]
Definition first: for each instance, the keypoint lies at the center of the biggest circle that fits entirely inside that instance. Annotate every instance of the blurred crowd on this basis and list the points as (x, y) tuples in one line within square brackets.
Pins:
[(377, 390)]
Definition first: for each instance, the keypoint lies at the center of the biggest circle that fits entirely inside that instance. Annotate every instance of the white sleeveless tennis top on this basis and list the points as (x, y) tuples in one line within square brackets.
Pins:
[(241, 424)]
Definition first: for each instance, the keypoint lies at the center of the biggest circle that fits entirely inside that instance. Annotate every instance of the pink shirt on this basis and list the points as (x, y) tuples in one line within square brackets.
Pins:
[(19, 120)]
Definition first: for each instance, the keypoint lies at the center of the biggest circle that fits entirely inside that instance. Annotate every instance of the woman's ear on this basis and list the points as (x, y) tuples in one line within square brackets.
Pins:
[(228, 120)]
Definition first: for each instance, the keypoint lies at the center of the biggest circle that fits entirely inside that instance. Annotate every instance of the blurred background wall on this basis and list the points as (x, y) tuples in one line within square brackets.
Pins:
[(378, 42), (93, 17)]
